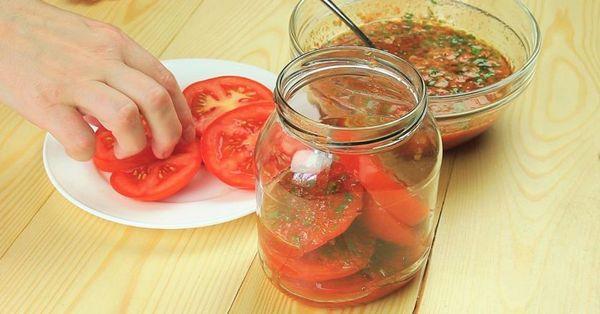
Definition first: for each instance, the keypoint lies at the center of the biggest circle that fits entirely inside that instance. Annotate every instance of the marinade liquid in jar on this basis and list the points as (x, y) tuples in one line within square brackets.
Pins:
[(348, 169)]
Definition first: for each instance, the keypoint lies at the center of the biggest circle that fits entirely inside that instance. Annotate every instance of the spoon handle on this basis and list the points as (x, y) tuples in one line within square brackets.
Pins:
[(348, 22)]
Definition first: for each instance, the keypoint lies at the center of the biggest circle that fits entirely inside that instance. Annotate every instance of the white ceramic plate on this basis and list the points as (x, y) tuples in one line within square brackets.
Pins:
[(206, 201)]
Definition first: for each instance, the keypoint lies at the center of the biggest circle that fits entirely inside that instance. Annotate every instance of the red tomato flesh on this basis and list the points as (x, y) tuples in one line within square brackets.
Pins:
[(105, 159), (162, 178), (229, 141), (386, 227), (385, 190), (343, 256), (380, 278), (303, 216), (211, 98)]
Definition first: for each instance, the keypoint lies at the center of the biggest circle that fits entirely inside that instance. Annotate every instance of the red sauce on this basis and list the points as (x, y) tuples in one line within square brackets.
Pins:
[(451, 61)]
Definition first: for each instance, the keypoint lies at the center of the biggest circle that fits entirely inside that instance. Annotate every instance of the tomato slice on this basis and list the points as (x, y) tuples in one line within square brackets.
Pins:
[(385, 190), (382, 277), (104, 157), (342, 292), (343, 256), (211, 98), (391, 261), (228, 144), (304, 211), (161, 178), (386, 226)]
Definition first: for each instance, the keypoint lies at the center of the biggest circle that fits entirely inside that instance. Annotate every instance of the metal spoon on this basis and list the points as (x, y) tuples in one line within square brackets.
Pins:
[(334, 8)]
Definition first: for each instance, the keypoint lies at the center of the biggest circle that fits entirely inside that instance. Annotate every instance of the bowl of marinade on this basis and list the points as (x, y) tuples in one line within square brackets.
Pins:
[(475, 57)]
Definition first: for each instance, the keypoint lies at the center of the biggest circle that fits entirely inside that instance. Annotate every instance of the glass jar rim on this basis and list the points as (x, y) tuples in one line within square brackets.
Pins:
[(523, 71), (403, 126)]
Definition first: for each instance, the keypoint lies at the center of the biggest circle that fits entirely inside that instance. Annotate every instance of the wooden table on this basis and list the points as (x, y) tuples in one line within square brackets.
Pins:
[(519, 229)]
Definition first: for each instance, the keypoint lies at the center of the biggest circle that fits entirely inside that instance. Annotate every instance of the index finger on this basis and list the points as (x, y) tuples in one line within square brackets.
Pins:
[(137, 57)]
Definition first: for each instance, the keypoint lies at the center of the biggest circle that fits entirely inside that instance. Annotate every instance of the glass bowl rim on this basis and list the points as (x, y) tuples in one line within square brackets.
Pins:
[(522, 71)]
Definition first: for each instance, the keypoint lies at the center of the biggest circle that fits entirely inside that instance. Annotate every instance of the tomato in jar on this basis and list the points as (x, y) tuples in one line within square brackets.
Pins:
[(346, 173)]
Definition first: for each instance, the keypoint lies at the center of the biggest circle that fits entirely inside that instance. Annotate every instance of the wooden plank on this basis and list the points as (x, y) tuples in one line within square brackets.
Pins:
[(258, 295), (521, 221), (23, 184), (68, 260), (253, 32), (152, 23)]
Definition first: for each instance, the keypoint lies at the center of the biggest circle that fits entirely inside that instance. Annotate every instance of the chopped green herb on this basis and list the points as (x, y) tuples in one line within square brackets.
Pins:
[(482, 62), (476, 50), (456, 40), (431, 83), (342, 207), (488, 75), (272, 214), (408, 16), (433, 71), (352, 247), (332, 188), (433, 1)]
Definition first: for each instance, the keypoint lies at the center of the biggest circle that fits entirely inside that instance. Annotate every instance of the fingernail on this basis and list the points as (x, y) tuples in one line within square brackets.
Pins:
[(161, 154)]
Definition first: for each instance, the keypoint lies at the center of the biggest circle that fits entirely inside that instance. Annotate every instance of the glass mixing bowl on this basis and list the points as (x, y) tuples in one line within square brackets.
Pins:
[(507, 25)]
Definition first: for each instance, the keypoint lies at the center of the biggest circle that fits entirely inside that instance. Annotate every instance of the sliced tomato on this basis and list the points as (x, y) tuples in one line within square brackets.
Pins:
[(385, 190), (211, 98), (162, 178), (305, 211), (391, 260), (228, 144), (384, 274), (347, 291), (105, 159), (386, 226), (343, 256)]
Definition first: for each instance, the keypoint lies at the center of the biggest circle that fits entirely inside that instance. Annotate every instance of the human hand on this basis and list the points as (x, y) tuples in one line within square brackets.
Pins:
[(59, 70)]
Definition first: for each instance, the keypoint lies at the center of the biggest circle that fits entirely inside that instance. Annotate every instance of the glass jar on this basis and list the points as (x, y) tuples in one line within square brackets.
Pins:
[(506, 25), (348, 168)]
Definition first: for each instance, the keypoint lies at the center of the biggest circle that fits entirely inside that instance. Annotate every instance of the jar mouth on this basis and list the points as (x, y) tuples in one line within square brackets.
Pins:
[(298, 73), (524, 71)]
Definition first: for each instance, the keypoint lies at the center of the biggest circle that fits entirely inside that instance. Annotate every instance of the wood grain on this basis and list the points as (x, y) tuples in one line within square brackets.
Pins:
[(521, 221), (68, 260), (258, 295), (518, 232), (23, 184), (253, 32)]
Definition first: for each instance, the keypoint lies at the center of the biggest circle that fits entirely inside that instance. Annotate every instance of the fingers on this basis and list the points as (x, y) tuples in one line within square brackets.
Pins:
[(67, 125), (137, 57), (116, 112), (92, 120), (154, 102)]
